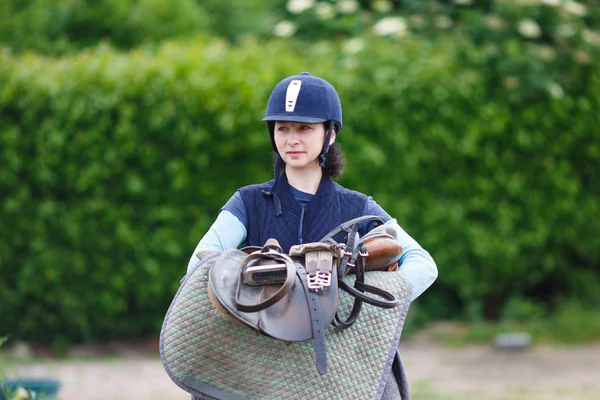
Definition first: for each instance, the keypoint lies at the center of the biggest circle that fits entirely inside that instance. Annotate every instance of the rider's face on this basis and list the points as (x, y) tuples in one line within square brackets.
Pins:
[(299, 143)]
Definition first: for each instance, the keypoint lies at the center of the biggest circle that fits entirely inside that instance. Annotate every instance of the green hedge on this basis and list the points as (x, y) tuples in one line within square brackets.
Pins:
[(113, 165), (55, 27)]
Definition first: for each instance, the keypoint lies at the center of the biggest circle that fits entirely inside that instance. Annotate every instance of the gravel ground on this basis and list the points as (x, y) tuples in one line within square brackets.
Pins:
[(435, 373)]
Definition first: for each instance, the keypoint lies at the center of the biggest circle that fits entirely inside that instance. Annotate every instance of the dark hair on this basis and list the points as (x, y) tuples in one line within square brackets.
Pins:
[(335, 161)]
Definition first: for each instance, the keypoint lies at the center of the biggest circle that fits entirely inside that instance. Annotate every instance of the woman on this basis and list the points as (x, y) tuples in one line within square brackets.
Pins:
[(302, 203)]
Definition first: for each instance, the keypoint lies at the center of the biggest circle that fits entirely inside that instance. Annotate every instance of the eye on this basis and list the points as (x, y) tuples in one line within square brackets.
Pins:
[(305, 127), (282, 128)]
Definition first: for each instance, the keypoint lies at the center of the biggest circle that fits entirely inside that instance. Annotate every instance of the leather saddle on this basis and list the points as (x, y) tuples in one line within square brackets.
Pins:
[(305, 303)]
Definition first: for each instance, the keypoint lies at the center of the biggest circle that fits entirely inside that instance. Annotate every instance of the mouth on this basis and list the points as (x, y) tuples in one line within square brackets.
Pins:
[(294, 153)]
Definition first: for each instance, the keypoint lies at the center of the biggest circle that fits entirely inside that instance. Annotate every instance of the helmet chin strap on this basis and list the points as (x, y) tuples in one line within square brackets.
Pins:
[(272, 193), (277, 169), (325, 149)]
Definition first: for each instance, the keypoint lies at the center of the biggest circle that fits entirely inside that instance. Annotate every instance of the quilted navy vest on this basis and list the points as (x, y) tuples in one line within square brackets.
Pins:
[(329, 207)]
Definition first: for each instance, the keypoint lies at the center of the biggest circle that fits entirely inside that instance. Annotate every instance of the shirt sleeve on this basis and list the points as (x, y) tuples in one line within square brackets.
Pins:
[(415, 263), (227, 232), (235, 205)]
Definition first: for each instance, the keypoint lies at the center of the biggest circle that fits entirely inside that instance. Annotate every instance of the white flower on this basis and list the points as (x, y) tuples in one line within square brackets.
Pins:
[(591, 37), (566, 30), (463, 2), (575, 8), (350, 63), (583, 57), (382, 6), (551, 3), (325, 11), (284, 29), (529, 28), (443, 21), (347, 6), (298, 6), (493, 22), (21, 393), (545, 53), (390, 26), (556, 90), (354, 45), (417, 21)]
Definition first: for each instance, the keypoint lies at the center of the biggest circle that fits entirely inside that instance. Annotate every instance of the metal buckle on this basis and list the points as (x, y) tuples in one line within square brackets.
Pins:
[(313, 283), (318, 269), (323, 279), (311, 259)]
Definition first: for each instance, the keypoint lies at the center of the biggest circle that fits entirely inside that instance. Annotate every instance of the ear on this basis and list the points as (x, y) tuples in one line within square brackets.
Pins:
[(332, 139)]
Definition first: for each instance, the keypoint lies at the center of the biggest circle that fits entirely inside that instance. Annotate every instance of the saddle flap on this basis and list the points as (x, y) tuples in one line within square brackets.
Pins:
[(288, 319), (222, 284)]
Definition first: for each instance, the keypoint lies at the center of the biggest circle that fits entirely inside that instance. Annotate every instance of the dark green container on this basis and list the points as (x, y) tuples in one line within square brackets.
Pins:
[(43, 388)]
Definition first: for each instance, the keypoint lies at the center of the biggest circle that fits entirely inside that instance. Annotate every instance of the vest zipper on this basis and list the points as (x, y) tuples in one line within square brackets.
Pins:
[(301, 226)]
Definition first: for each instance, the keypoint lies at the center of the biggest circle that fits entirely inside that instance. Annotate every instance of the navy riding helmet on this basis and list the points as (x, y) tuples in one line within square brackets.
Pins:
[(304, 98)]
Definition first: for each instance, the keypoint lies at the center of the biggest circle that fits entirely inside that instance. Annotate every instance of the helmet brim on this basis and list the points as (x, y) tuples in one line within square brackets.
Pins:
[(293, 118)]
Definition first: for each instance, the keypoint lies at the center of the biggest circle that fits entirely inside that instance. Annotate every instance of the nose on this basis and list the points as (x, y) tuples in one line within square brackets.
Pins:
[(293, 141), (294, 138)]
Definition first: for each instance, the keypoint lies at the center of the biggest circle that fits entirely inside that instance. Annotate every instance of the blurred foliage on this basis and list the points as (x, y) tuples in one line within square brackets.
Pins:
[(550, 26), (55, 27), (113, 165)]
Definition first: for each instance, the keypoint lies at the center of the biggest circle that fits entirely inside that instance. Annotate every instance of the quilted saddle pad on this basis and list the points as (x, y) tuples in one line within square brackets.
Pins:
[(209, 354)]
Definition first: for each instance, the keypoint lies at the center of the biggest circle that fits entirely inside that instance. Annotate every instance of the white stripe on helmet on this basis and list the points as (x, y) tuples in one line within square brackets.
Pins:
[(293, 90)]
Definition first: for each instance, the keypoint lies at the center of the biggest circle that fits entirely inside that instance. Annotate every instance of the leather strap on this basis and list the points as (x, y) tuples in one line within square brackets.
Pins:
[(272, 253), (351, 259), (360, 288), (349, 225), (347, 261), (209, 392), (318, 328)]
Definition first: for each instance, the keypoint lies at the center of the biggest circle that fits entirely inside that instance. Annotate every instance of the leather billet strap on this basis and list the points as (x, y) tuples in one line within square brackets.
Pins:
[(273, 252), (316, 319), (318, 259)]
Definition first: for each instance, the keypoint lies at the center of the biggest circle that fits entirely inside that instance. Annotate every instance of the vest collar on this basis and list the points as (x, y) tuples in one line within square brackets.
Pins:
[(281, 189), (325, 188)]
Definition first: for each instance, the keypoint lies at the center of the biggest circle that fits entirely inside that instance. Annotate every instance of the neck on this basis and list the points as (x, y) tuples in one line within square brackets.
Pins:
[(305, 180)]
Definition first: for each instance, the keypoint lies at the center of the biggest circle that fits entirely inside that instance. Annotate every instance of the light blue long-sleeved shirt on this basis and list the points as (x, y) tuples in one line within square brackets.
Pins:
[(228, 232)]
